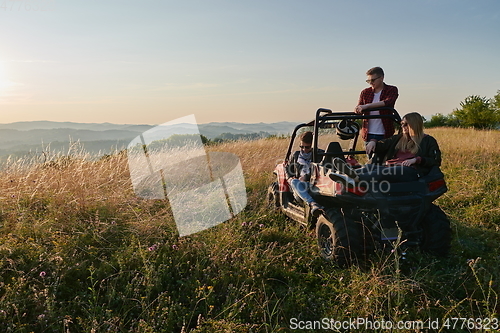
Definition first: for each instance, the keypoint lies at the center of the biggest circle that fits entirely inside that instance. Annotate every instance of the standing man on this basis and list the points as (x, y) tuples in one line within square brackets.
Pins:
[(377, 95)]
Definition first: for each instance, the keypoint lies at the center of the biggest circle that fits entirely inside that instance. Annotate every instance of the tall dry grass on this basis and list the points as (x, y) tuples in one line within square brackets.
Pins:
[(471, 163), (80, 252), (257, 157)]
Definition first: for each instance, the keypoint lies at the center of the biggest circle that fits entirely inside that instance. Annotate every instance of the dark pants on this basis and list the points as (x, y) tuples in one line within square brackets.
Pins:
[(377, 137)]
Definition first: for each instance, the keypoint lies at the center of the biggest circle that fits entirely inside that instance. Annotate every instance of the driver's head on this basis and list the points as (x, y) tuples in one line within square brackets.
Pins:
[(306, 139)]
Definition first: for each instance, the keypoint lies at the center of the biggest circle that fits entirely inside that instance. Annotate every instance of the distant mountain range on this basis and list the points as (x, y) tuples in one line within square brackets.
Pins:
[(21, 138)]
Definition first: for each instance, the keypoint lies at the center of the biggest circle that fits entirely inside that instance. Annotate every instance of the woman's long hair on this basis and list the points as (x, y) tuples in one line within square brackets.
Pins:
[(411, 141)]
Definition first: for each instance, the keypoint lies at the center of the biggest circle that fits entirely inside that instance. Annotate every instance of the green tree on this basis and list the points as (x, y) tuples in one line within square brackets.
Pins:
[(495, 101), (437, 120), (479, 112), (441, 120)]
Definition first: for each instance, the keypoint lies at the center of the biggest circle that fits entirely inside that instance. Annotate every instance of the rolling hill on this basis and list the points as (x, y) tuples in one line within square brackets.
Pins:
[(21, 138)]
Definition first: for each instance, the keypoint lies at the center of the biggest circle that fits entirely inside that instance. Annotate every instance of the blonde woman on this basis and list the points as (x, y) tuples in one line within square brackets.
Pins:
[(407, 156)]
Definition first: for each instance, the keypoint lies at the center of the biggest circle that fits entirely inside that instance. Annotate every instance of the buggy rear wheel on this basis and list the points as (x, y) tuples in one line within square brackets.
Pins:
[(338, 237), (437, 232)]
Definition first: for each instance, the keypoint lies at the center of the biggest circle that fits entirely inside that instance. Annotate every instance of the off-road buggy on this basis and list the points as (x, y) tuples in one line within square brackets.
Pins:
[(358, 220)]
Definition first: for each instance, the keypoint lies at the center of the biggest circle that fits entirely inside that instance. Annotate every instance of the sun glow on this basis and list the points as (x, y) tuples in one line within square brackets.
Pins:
[(4, 81)]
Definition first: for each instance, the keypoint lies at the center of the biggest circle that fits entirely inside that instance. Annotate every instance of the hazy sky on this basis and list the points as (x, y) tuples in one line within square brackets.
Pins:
[(152, 61)]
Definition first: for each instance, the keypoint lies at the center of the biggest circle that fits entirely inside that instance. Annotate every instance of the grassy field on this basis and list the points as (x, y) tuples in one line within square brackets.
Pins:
[(80, 253)]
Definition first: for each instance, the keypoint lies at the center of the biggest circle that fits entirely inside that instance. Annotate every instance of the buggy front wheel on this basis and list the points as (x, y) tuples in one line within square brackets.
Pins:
[(273, 200), (338, 237)]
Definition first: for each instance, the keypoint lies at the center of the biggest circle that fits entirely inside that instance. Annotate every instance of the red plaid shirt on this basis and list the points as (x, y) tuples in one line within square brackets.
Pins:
[(389, 96)]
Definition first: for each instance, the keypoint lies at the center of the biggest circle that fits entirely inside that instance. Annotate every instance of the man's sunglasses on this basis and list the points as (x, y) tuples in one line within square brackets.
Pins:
[(373, 80), (305, 147)]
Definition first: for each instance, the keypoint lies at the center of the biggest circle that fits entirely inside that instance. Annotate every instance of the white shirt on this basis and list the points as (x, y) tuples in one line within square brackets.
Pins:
[(375, 126)]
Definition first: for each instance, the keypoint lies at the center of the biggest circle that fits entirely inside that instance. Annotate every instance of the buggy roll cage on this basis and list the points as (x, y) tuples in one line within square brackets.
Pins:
[(325, 118)]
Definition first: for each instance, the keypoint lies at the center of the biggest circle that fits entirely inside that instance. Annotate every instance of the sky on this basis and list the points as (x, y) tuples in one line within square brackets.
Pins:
[(152, 61)]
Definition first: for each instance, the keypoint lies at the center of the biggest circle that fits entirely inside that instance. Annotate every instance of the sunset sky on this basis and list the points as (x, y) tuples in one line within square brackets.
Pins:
[(152, 61)]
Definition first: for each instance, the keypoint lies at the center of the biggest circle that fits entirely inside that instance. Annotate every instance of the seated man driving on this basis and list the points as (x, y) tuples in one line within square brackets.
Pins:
[(300, 185)]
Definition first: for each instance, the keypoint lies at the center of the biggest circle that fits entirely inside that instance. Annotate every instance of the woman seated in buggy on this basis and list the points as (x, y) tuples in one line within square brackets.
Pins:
[(406, 156)]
